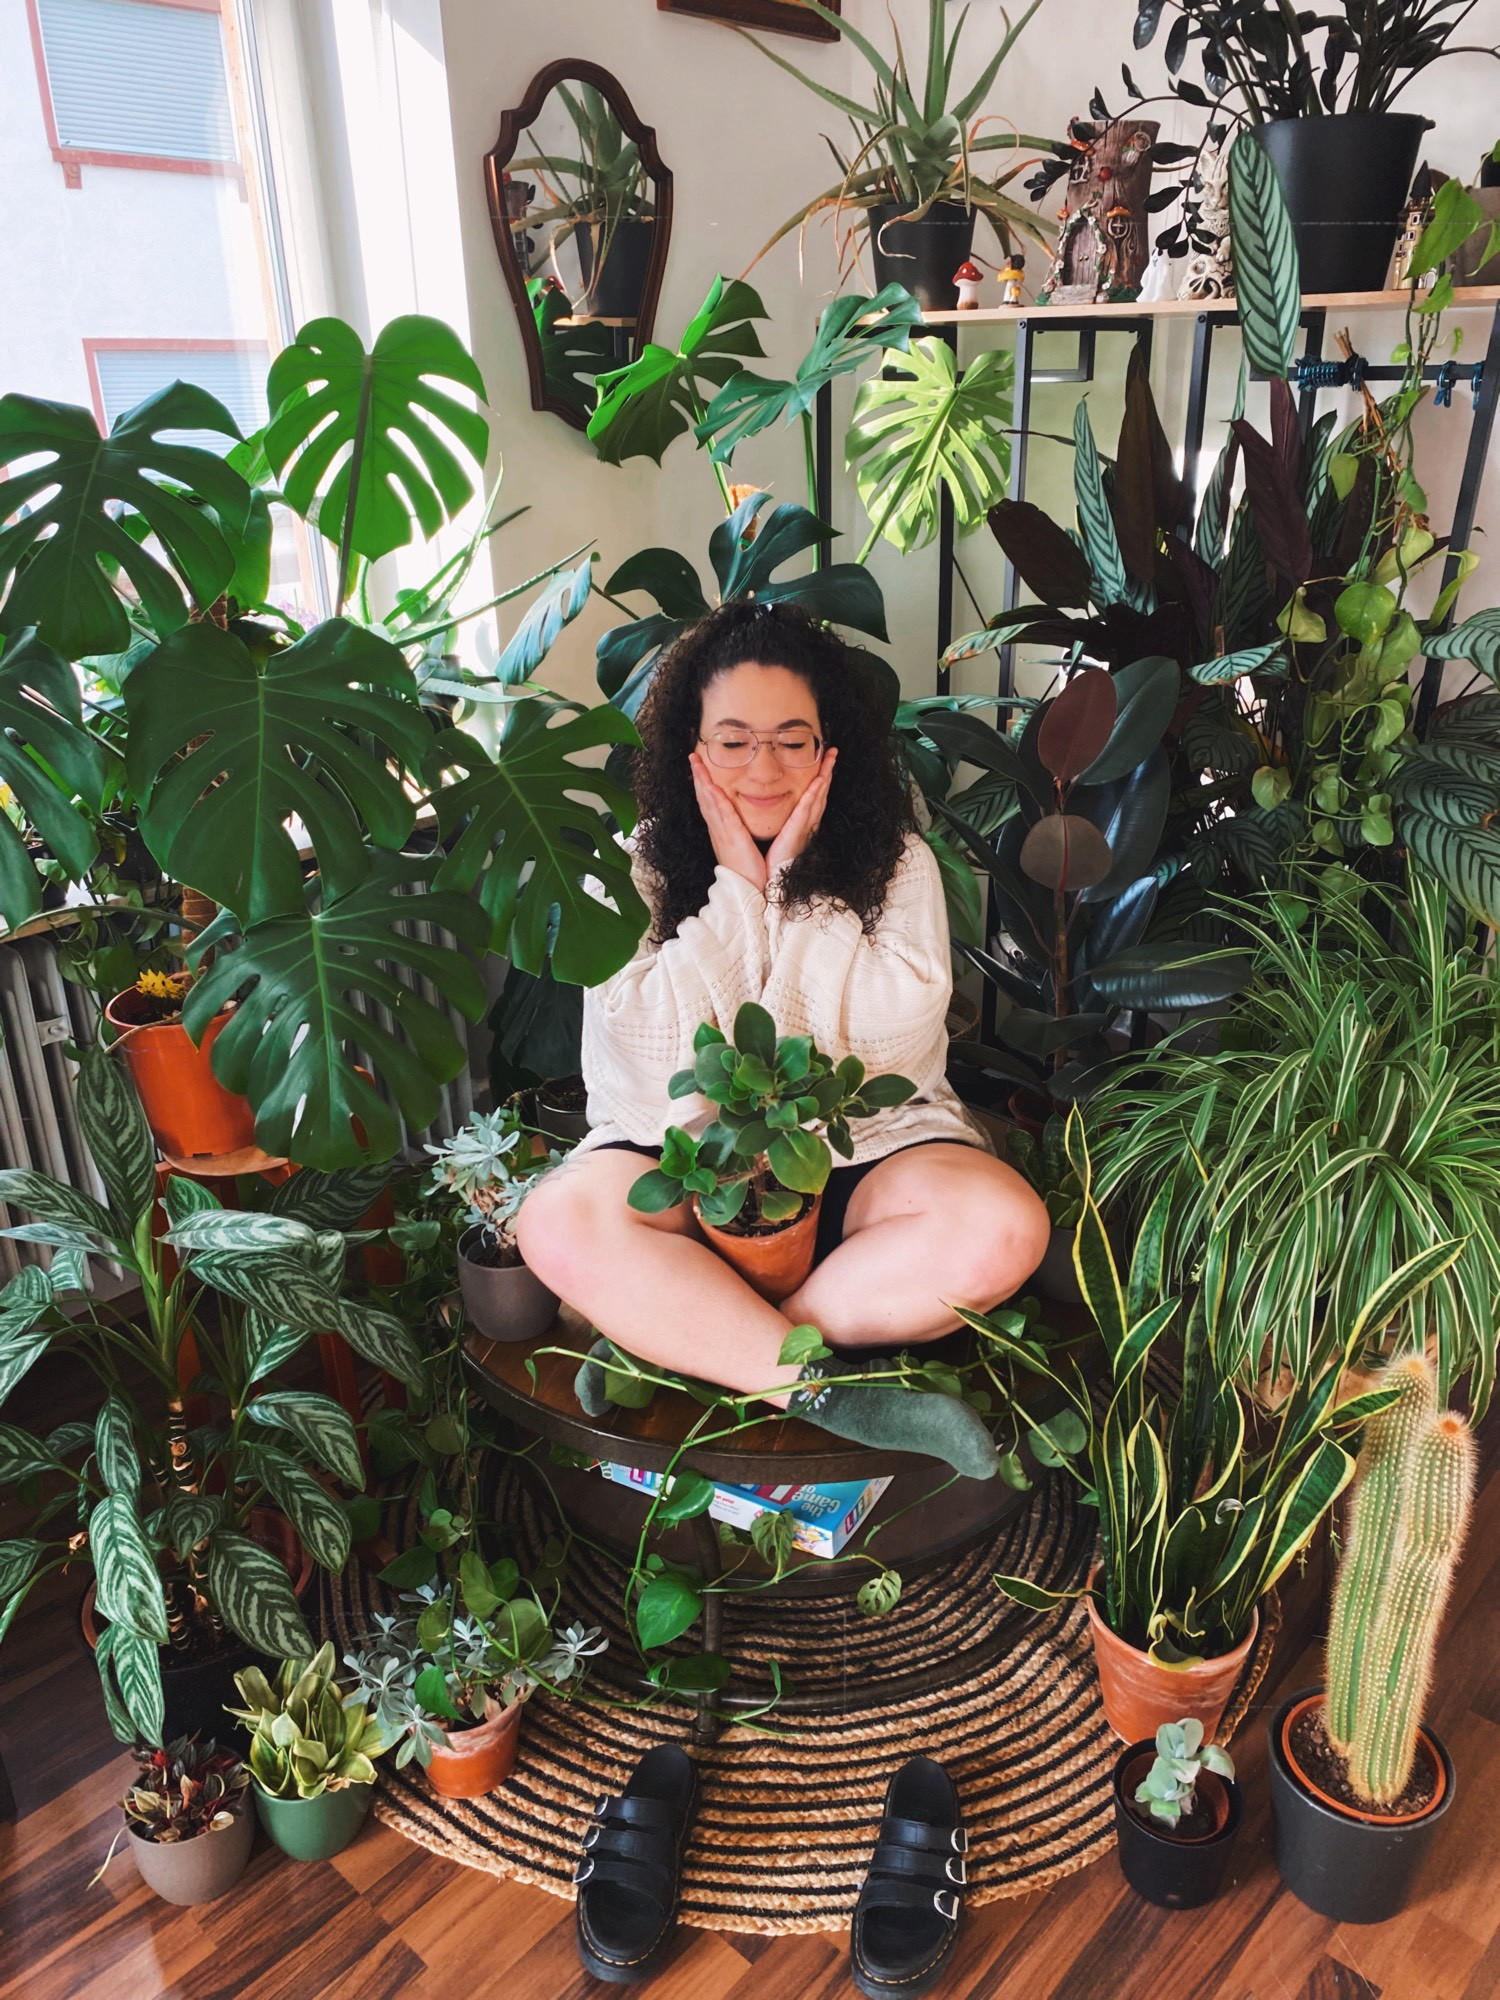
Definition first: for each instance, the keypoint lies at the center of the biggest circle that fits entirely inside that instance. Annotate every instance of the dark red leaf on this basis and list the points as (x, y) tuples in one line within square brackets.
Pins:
[(1047, 559), (1065, 851), (1133, 495), (1286, 438), (1077, 724), (1280, 518), (1198, 581)]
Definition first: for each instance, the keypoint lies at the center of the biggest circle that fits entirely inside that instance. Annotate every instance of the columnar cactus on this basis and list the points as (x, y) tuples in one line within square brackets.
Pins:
[(1411, 1510), (1375, 1519)]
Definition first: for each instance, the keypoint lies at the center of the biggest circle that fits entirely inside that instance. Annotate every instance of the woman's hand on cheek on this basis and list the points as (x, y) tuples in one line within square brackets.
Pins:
[(804, 820), (734, 845)]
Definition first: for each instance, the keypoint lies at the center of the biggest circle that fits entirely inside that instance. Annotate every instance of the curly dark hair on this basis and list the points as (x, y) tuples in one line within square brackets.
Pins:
[(849, 862)]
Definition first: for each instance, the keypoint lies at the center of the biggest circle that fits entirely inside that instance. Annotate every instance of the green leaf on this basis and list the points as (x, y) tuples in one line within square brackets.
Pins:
[(411, 1569), (368, 456), (661, 394), (321, 1426), (692, 1494), (564, 597), (800, 1160), (39, 1195), (250, 1590), (240, 1229), (321, 1523), (114, 1441), (303, 983), (1477, 640), (189, 1519), (130, 1669), (1455, 217), (381, 1337), (227, 745), (927, 429), (801, 1345), (64, 536), (18, 1351), (878, 1595), (773, 1536), (21, 1454), (479, 1594), (18, 1558), (755, 1032), (51, 762), (1022, 1591), (129, 1587), (431, 1691), (1365, 610), (1230, 666), (1267, 276), (539, 856), (694, 1673), (667, 1607), (1095, 522), (116, 1133)]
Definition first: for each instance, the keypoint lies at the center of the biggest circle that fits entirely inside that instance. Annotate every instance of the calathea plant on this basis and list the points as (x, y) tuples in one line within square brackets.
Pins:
[(227, 729), (160, 1504), (765, 1152)]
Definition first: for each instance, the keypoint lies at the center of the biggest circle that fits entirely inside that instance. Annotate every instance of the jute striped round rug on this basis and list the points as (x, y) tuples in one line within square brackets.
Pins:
[(789, 1808)]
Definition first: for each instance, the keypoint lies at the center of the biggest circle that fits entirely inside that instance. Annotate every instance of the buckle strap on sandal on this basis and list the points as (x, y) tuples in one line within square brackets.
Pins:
[(889, 1893), (645, 1878), (948, 1870), (643, 1812), (917, 1833), (648, 1845)]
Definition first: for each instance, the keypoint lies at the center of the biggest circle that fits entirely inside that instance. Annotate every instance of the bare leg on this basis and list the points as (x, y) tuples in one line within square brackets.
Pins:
[(927, 1227), (650, 1281)]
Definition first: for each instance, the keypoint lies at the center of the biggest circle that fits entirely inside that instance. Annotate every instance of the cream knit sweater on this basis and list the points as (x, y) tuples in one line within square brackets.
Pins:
[(882, 998)]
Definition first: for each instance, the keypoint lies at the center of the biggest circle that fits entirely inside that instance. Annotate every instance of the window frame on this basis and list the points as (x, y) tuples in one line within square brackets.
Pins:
[(73, 159)]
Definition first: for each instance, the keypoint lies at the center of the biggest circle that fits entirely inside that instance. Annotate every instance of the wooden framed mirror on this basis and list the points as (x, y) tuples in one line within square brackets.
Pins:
[(581, 207)]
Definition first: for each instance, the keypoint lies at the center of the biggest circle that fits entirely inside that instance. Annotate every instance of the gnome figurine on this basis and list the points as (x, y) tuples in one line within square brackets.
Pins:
[(968, 278)]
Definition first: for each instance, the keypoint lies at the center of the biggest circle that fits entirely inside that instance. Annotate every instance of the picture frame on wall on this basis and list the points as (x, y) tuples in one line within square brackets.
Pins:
[(781, 17)]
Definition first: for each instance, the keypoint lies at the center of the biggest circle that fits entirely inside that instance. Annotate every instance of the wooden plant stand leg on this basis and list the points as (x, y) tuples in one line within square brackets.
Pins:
[(709, 1721)]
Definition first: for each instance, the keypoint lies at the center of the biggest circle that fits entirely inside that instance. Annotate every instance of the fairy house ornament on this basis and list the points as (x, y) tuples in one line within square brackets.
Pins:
[(1103, 239)]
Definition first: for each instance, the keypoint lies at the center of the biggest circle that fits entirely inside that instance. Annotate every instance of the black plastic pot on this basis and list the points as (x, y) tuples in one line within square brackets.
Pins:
[(1356, 1871), (1345, 182), (505, 1302), (1170, 1870), (922, 255), (621, 283), (559, 1121)]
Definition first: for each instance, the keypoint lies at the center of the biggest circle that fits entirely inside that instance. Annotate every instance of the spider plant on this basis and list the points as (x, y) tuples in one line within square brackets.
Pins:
[(1349, 1121), (916, 144)]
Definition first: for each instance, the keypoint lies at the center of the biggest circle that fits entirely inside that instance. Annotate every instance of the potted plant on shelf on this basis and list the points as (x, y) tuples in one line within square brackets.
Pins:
[(191, 1490), (909, 172), (187, 1820), (1359, 1782), (1177, 1815), (490, 1166), (756, 1173), (451, 1681), (1319, 90), (190, 1113), (1199, 1514), (312, 1751)]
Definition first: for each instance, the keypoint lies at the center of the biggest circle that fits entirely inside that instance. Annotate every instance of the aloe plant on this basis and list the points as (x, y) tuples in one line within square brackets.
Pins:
[(306, 1736)]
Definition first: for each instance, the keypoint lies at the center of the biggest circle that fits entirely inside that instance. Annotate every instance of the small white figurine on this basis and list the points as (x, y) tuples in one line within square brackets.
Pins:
[(968, 278), (1159, 281)]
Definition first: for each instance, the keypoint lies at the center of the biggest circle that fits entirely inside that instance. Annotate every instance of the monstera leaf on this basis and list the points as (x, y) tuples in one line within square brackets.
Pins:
[(62, 530), (49, 760), (850, 332), (926, 429), (543, 861), (225, 745), (356, 430), (842, 593), (573, 355), (660, 395), (308, 986)]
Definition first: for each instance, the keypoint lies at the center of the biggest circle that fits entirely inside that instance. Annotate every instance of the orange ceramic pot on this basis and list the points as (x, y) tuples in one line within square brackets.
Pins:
[(191, 1114), (1140, 1695), (774, 1263), (479, 1757)]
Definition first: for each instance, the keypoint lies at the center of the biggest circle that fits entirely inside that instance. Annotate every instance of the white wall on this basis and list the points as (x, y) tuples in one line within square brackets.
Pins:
[(743, 141)]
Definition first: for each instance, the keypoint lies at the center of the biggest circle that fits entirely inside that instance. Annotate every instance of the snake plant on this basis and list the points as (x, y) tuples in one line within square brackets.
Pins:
[(306, 1738)]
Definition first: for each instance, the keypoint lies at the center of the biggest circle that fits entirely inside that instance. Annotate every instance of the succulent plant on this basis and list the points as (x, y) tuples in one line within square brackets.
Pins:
[(1411, 1510), (186, 1789), (306, 1737), (1170, 1787), (488, 1165)]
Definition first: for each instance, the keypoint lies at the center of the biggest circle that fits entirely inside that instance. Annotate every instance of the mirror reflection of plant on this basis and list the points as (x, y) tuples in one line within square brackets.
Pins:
[(604, 183)]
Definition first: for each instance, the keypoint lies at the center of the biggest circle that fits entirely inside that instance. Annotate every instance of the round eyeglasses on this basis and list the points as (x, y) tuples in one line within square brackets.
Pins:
[(732, 749)]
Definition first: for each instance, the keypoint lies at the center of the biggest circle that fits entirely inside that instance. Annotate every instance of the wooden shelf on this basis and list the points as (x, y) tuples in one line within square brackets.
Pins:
[(1472, 297)]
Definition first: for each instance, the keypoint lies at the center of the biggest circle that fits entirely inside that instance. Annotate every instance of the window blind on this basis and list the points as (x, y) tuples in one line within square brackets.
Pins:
[(235, 375), (130, 77)]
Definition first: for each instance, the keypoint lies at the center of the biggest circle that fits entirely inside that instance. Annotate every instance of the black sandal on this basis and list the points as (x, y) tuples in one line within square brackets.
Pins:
[(630, 1872), (906, 1920)]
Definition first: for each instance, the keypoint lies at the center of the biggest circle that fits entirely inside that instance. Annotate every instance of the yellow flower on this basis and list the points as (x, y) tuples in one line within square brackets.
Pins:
[(162, 985)]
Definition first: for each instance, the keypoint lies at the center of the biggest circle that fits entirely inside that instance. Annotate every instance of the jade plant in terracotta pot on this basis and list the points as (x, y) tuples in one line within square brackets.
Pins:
[(756, 1173), (451, 1680), (312, 1752), (187, 1820), (1199, 1512), (489, 1167), (1359, 1780)]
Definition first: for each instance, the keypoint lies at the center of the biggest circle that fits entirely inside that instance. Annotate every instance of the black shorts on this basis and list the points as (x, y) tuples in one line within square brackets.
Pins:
[(837, 1195)]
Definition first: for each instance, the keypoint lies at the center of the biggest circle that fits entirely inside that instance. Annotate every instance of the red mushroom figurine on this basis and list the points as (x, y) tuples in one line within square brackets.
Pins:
[(968, 278)]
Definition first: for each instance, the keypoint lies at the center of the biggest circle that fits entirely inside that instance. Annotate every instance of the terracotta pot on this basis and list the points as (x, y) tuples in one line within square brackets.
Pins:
[(773, 1264), (1140, 1695), (1030, 1110), (191, 1114), (505, 1302), (478, 1758), (200, 1869)]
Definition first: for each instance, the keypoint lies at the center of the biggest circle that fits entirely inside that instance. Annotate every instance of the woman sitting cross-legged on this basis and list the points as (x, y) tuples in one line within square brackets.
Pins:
[(779, 855)]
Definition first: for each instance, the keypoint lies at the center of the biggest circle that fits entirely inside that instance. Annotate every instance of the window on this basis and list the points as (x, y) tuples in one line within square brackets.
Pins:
[(123, 373), (139, 82)]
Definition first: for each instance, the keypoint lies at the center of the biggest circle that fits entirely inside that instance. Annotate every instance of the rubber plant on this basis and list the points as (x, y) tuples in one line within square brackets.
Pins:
[(154, 1492), (229, 728)]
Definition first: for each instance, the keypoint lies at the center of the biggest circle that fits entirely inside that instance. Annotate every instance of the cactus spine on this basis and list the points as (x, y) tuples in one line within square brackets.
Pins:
[(1440, 1491), (1375, 1521)]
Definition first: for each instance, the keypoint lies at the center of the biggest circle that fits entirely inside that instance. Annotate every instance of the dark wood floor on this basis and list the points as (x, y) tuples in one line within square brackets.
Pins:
[(386, 1918)]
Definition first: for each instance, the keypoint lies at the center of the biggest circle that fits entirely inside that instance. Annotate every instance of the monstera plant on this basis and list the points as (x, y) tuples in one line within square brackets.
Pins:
[(301, 780)]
